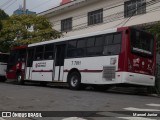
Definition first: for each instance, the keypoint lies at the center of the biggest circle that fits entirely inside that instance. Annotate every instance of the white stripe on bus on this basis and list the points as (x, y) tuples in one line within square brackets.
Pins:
[(73, 118), (135, 118), (153, 105), (1, 118), (138, 109)]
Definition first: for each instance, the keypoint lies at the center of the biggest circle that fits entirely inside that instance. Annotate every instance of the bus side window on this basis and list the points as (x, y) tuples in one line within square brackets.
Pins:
[(39, 53), (49, 50), (112, 44), (76, 48), (81, 47), (71, 52), (94, 46)]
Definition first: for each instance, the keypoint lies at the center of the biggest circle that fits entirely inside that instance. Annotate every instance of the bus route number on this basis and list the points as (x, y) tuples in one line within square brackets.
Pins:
[(76, 62)]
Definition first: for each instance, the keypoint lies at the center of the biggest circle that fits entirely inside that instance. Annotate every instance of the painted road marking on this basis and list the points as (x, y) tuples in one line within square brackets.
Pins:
[(1, 118), (138, 109), (135, 118), (73, 118), (153, 105)]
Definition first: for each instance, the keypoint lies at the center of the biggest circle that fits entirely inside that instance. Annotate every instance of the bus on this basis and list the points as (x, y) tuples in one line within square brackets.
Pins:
[(110, 57), (3, 65)]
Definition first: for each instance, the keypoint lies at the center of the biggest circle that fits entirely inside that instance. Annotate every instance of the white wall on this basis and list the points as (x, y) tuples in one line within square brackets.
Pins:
[(113, 17)]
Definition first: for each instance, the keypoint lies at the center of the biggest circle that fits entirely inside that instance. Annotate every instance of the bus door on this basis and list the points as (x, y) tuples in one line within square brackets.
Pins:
[(59, 62), (30, 55)]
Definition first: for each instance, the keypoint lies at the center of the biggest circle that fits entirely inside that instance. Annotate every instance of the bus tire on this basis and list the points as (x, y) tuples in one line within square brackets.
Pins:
[(19, 79), (3, 79), (74, 81)]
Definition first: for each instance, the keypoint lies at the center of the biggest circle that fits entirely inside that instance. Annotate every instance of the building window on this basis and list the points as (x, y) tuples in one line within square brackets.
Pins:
[(66, 25), (134, 7), (95, 17)]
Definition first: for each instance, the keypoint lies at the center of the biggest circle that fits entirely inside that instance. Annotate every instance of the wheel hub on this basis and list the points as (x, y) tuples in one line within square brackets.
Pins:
[(74, 81)]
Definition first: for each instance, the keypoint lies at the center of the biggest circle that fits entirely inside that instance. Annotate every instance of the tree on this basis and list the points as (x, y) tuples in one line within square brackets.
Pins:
[(155, 29), (3, 15), (1, 26), (27, 29)]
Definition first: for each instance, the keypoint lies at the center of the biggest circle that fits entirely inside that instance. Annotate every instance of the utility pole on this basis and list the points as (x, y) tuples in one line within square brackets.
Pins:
[(24, 6)]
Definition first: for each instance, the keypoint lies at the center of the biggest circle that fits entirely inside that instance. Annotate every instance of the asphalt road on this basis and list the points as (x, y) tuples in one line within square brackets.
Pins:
[(82, 105)]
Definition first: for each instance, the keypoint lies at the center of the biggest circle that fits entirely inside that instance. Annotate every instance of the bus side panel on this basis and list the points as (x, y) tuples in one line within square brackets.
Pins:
[(42, 70), (92, 69)]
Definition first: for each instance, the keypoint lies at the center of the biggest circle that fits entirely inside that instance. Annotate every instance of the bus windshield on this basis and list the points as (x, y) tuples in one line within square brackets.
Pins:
[(142, 43)]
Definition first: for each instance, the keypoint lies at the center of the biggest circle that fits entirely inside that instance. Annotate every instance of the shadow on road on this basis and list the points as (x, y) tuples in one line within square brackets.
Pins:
[(140, 91)]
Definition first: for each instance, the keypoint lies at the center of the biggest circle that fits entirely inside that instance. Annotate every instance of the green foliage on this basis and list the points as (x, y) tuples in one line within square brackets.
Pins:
[(3, 45), (1, 25), (27, 29), (3, 15), (155, 29)]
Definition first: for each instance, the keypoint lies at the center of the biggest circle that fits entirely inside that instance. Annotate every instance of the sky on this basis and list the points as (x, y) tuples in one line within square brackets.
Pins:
[(33, 5)]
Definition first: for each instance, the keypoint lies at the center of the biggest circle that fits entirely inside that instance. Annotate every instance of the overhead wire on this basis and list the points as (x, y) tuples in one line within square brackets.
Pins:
[(76, 17), (41, 4), (110, 17), (4, 4), (10, 4)]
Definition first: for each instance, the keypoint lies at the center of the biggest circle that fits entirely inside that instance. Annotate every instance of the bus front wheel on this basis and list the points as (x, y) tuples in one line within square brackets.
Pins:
[(74, 81), (19, 79)]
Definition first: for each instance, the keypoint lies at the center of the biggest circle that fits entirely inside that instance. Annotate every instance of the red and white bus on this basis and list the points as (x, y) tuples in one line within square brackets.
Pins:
[(115, 56), (3, 65)]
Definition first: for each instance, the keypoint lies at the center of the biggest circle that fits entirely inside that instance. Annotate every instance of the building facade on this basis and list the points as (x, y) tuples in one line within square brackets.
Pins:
[(84, 16)]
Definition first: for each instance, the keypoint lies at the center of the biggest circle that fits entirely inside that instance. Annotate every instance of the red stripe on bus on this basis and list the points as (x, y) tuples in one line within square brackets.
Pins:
[(42, 70), (92, 71)]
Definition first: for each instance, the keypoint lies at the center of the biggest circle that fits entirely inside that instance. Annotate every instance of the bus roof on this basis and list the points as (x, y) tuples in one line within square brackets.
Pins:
[(74, 37)]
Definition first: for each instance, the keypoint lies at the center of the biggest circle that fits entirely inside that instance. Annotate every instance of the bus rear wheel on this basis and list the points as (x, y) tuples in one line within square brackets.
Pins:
[(2, 79), (19, 79), (74, 81)]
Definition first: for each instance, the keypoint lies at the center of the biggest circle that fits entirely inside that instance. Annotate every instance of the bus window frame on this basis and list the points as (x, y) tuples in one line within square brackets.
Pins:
[(143, 54), (35, 53), (103, 45)]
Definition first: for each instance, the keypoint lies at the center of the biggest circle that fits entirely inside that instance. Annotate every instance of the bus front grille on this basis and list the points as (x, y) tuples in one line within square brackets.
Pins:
[(109, 72)]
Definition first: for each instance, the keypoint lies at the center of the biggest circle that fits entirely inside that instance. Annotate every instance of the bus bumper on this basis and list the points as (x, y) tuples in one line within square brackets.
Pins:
[(137, 79)]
